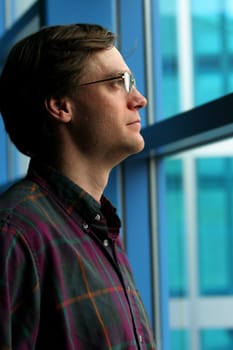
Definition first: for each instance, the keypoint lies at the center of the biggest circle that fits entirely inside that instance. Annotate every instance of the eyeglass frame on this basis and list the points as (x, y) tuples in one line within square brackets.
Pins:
[(125, 76)]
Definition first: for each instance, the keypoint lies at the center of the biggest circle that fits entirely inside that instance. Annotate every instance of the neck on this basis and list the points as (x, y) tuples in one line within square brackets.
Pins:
[(88, 175)]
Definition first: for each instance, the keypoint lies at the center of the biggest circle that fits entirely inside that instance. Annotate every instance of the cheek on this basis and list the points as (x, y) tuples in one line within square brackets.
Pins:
[(102, 115), (89, 130)]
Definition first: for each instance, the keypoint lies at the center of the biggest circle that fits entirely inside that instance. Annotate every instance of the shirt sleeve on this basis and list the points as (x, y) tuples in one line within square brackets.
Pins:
[(19, 291)]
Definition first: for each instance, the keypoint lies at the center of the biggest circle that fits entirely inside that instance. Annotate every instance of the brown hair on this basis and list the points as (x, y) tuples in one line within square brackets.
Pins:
[(47, 63)]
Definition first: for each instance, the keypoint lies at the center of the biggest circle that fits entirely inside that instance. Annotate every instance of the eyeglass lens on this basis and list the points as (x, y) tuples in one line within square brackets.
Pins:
[(129, 81)]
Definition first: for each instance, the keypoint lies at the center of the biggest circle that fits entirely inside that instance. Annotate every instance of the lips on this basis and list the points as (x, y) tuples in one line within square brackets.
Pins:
[(134, 122)]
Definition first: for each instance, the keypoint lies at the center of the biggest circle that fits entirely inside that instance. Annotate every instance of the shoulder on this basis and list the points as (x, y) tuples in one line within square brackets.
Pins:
[(20, 200), (23, 233), (19, 192), (22, 213)]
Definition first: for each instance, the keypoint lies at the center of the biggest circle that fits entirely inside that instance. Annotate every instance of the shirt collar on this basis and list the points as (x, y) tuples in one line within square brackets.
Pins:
[(73, 197)]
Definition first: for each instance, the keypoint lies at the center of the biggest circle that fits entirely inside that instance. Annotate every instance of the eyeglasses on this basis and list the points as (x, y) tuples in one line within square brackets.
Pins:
[(128, 79)]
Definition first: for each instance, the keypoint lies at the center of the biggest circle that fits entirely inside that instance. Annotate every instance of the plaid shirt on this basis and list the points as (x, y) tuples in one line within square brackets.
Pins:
[(65, 281)]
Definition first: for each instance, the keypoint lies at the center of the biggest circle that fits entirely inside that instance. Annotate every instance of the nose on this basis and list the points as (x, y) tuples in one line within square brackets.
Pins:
[(137, 100)]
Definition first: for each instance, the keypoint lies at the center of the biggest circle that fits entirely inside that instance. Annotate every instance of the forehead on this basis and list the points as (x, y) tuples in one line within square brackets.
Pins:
[(107, 61)]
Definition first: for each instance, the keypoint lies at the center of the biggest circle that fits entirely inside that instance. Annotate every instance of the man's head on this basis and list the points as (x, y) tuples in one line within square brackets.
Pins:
[(48, 63)]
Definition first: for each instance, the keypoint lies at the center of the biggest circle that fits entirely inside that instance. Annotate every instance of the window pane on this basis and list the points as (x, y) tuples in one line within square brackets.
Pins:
[(179, 340), (199, 224), (14, 9), (21, 6), (196, 46), (169, 52), (214, 207), (175, 226), (215, 339)]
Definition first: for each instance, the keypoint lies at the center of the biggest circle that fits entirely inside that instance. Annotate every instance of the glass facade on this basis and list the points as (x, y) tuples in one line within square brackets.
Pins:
[(215, 231), (197, 52), (215, 339), (198, 183), (14, 9), (199, 207)]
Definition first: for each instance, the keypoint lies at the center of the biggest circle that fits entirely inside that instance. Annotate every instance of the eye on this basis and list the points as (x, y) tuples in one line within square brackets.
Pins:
[(118, 83)]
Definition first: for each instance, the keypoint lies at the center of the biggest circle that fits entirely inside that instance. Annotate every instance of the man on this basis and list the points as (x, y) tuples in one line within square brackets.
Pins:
[(69, 101)]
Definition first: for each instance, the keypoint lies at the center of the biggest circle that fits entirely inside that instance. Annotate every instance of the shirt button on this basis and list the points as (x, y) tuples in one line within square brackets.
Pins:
[(97, 217), (128, 288), (85, 226), (106, 243), (140, 338)]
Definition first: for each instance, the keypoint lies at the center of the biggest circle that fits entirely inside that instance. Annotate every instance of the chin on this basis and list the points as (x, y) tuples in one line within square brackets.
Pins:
[(140, 144), (138, 147)]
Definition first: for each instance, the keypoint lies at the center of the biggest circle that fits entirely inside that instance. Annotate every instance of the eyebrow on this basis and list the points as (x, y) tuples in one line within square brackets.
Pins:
[(119, 73)]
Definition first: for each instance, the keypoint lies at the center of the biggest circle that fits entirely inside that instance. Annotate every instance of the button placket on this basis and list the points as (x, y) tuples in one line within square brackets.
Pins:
[(97, 217), (85, 226), (106, 242)]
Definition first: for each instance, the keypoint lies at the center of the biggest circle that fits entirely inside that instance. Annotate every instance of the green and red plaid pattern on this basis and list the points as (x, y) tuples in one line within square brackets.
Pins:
[(65, 281)]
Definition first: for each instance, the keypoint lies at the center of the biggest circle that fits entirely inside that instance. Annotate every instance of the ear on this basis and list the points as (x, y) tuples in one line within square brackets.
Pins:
[(59, 108)]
